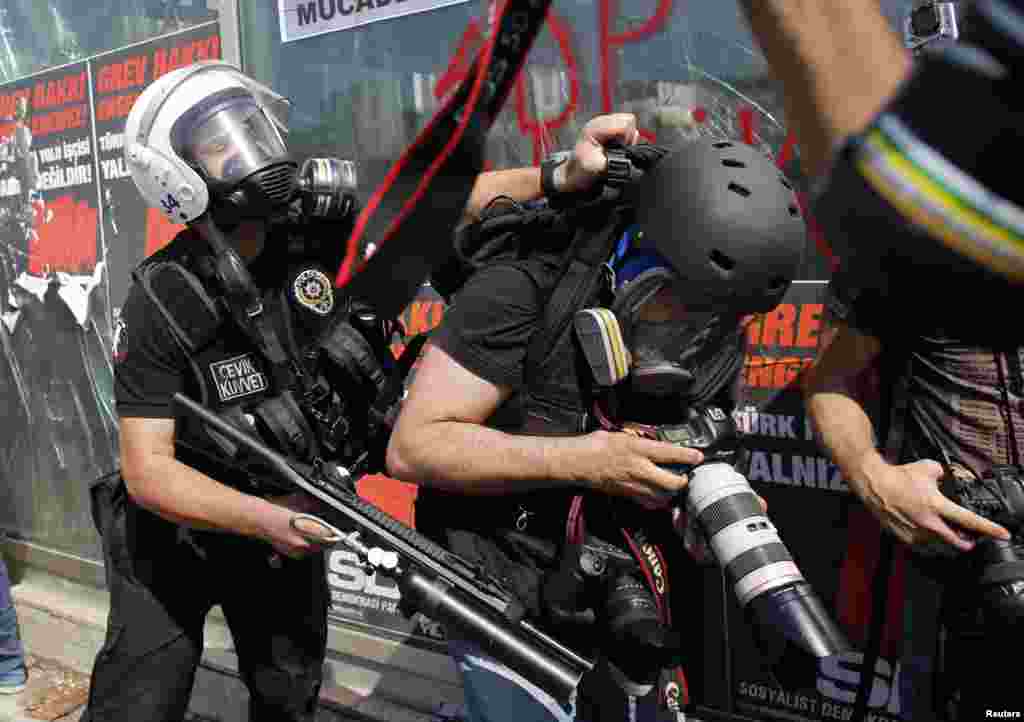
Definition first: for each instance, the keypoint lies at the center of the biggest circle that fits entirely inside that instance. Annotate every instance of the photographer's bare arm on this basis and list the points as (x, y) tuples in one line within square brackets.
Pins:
[(440, 440), (163, 485), (904, 498), (838, 62)]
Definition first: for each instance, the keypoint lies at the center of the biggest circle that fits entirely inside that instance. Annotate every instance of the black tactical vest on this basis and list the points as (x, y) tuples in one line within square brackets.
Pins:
[(229, 374)]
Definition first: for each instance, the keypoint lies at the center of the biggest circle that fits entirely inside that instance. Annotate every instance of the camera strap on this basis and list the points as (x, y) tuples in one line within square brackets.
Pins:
[(673, 692), (442, 165)]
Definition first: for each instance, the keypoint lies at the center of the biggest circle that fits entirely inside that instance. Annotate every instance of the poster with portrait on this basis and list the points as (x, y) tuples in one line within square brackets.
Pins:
[(49, 185), (56, 368), (72, 226)]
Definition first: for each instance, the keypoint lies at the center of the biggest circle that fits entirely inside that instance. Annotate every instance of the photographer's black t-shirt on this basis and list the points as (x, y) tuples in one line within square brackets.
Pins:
[(487, 330), (489, 326), (956, 342)]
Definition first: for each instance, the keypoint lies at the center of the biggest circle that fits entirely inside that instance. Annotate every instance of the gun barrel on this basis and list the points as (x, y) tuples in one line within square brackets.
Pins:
[(549, 668)]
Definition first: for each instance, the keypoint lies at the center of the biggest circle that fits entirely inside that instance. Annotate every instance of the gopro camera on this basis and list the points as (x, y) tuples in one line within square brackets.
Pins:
[(931, 21)]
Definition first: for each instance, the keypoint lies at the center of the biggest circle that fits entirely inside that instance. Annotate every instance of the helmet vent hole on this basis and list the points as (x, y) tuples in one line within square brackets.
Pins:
[(794, 211), (730, 163), (739, 190), (723, 144), (722, 261)]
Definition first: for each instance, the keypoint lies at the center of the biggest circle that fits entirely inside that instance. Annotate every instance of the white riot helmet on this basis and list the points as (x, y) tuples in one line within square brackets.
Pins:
[(208, 138)]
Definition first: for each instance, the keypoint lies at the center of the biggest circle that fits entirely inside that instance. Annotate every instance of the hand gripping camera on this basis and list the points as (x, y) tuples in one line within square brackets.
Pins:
[(789, 621), (786, 615), (790, 624), (994, 566)]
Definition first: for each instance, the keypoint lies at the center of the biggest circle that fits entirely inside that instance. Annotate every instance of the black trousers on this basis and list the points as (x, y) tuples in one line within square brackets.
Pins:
[(162, 588)]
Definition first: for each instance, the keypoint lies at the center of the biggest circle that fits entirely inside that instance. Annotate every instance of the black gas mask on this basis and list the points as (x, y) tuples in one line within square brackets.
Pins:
[(235, 144), (667, 359), (656, 347)]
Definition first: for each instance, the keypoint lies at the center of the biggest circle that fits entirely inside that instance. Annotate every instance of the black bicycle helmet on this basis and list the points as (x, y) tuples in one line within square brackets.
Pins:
[(727, 220)]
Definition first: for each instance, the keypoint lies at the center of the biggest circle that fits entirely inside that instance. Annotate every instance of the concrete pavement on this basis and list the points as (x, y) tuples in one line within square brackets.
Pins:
[(53, 692)]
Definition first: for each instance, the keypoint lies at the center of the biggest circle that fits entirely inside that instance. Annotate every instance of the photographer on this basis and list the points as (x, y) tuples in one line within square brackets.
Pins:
[(949, 463), (947, 478), (226, 314), (511, 444)]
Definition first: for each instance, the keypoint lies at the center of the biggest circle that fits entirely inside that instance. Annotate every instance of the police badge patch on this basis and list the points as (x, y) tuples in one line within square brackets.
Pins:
[(313, 290)]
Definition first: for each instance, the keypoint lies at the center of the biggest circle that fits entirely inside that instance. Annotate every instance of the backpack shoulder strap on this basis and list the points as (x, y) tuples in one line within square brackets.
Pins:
[(587, 236), (579, 281)]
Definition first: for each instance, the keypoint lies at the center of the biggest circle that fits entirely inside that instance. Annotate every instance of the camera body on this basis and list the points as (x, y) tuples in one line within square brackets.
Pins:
[(710, 429), (788, 620), (599, 583), (995, 567)]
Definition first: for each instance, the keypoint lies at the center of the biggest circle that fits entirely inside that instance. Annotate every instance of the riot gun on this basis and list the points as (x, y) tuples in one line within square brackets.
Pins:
[(431, 579)]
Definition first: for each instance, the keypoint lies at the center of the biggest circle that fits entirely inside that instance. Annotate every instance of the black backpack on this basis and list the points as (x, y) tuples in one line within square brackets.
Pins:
[(584, 235)]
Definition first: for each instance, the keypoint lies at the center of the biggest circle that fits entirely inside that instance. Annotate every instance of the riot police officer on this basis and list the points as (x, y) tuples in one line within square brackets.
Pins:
[(178, 538)]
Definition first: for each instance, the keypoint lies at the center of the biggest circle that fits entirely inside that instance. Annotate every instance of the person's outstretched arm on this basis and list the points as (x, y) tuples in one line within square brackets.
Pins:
[(838, 62)]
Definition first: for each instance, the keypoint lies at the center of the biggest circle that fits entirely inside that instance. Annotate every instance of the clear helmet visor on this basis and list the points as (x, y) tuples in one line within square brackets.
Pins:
[(233, 140)]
